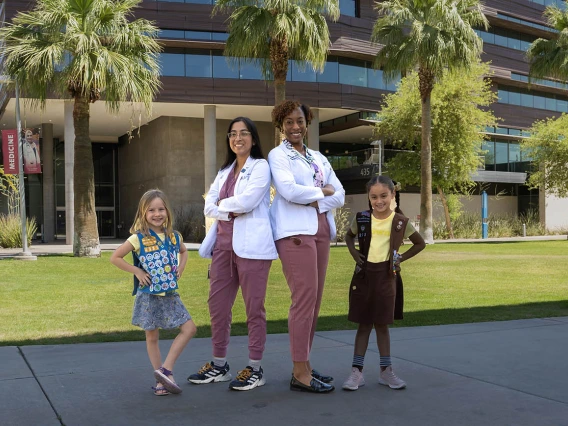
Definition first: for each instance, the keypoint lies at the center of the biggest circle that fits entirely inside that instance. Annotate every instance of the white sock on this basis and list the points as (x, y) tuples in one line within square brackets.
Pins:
[(219, 362), (254, 364)]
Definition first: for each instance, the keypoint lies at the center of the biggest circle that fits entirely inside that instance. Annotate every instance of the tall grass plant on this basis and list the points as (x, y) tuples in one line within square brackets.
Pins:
[(11, 230)]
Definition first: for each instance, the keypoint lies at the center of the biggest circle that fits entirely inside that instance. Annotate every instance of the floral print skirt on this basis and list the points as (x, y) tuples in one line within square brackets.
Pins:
[(166, 312)]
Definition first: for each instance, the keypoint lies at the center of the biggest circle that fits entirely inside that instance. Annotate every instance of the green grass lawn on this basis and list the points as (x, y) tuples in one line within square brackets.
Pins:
[(61, 299)]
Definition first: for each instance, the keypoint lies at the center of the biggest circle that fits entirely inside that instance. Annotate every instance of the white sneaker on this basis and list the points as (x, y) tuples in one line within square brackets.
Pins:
[(388, 378), (355, 380)]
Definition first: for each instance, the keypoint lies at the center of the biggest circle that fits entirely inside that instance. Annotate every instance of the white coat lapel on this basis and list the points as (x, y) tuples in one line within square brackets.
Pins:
[(245, 171)]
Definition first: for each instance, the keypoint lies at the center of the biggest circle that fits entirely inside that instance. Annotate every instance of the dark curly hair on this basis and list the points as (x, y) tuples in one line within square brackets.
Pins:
[(280, 112)]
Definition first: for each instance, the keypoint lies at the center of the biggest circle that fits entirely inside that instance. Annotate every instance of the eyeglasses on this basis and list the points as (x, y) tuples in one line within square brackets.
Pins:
[(243, 134)]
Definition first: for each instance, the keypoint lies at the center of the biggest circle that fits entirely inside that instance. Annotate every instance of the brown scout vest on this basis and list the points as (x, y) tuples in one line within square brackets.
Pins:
[(364, 235)]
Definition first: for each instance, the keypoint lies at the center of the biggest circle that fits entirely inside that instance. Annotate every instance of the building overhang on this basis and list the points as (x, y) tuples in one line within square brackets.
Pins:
[(499, 177)]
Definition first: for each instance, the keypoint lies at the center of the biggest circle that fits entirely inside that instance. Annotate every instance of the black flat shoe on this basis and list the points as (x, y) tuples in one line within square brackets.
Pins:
[(315, 386), (321, 377)]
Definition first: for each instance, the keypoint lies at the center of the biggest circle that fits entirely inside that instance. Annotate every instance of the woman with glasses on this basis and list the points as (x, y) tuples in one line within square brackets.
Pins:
[(303, 225), (241, 246)]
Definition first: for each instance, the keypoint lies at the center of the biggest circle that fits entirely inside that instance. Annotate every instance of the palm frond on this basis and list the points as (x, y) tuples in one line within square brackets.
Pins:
[(432, 34), (83, 47)]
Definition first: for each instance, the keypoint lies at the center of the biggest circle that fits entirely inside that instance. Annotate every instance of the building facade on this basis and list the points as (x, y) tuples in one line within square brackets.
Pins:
[(180, 147)]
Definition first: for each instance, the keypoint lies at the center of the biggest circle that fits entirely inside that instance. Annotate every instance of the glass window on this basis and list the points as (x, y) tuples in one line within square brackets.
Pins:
[(514, 43), (561, 106), (222, 68), (352, 72), (526, 100), (194, 1), (501, 156), (539, 102), (302, 72), (330, 73), (171, 34), (348, 7), (487, 37), (514, 157), (375, 79), (104, 195), (502, 96), (550, 104), (500, 37), (172, 63), (198, 63), (219, 36), (489, 148), (514, 98), (198, 35), (250, 71)]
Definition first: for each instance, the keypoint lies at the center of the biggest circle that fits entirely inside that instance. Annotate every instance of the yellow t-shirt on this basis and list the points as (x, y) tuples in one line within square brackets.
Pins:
[(380, 237)]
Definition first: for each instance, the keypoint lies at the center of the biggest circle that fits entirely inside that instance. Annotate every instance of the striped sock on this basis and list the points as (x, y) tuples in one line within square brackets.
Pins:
[(358, 361), (219, 362), (385, 361), (254, 364)]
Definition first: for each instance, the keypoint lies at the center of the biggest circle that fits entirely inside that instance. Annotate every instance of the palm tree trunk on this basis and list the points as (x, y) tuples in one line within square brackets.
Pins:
[(446, 212), (279, 97), (86, 235), (279, 63), (426, 79)]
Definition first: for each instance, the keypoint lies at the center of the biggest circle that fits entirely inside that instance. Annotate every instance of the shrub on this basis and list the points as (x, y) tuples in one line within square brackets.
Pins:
[(11, 230), (342, 223), (190, 222), (468, 225)]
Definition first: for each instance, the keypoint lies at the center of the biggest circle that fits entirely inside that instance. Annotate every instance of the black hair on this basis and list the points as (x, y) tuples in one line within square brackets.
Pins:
[(256, 150), (285, 108), (390, 184)]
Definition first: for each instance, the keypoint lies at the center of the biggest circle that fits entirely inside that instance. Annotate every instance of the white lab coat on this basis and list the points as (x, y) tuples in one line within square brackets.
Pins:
[(293, 179), (252, 233)]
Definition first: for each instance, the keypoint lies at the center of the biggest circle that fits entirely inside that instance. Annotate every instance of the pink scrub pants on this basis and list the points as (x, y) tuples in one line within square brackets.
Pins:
[(304, 263), (228, 272)]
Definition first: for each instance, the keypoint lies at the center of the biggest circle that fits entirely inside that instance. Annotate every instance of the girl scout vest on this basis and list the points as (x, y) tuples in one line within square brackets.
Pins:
[(160, 259), (364, 235)]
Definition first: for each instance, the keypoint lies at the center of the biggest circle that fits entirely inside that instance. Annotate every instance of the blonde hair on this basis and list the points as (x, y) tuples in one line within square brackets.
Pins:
[(140, 223)]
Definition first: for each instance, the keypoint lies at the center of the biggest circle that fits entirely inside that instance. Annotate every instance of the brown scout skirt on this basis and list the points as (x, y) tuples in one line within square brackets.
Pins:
[(372, 295)]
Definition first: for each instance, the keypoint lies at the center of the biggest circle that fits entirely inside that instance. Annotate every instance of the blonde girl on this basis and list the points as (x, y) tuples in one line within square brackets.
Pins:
[(159, 261)]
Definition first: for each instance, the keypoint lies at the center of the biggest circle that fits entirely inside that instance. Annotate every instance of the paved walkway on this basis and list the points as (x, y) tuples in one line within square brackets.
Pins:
[(58, 247), (497, 373)]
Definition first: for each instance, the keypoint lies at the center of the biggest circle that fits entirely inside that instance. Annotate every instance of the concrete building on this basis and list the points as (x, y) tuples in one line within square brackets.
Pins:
[(184, 138)]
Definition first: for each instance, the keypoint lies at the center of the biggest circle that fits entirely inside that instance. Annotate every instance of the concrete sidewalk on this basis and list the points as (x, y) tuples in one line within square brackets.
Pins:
[(59, 247), (498, 373)]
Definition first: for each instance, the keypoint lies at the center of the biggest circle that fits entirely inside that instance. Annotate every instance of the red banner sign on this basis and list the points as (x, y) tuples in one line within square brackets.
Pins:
[(10, 151)]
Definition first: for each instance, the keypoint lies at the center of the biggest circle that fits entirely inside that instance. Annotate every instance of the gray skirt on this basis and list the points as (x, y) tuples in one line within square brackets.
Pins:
[(166, 312)]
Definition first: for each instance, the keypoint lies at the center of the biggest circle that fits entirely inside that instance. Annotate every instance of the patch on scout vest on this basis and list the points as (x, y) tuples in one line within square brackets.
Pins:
[(399, 225), (150, 244)]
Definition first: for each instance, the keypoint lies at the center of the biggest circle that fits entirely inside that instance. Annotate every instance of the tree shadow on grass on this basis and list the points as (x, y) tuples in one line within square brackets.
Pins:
[(338, 322)]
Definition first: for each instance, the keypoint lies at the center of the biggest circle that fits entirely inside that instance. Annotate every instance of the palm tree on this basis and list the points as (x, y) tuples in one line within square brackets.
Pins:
[(549, 58), (86, 50), (275, 31), (427, 35)]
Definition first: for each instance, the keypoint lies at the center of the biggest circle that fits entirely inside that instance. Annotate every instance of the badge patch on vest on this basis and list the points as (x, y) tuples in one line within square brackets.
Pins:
[(399, 225)]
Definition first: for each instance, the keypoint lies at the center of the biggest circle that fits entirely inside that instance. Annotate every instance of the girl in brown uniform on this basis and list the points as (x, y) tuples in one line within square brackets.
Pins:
[(372, 294)]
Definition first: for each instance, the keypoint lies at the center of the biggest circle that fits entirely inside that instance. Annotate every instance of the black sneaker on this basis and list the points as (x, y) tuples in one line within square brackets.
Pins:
[(247, 379), (209, 373)]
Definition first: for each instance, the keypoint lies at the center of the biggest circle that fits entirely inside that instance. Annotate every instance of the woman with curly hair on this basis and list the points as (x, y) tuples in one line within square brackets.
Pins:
[(302, 223)]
